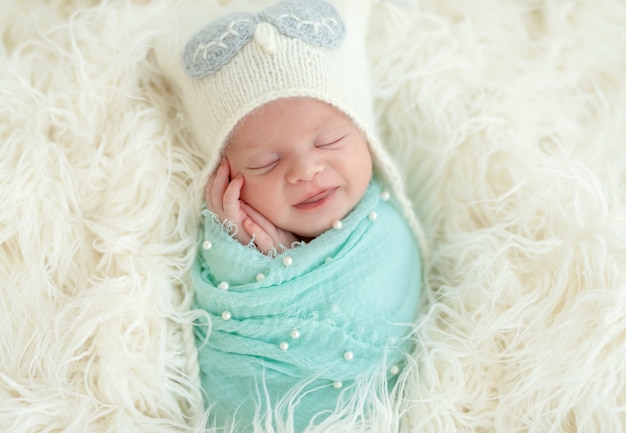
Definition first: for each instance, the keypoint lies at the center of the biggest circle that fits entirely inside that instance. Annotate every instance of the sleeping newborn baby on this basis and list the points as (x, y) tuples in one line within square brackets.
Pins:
[(309, 273), (309, 265)]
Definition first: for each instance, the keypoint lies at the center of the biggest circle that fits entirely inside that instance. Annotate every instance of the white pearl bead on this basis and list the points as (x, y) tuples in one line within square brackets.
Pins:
[(287, 261), (394, 370), (204, 213), (260, 277), (328, 260), (284, 345), (334, 308), (385, 196), (372, 216), (226, 315), (223, 285), (207, 245), (348, 356), (337, 384), (295, 334), (337, 224)]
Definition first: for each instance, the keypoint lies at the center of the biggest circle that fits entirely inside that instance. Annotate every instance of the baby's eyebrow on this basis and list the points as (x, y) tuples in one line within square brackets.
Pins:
[(259, 157)]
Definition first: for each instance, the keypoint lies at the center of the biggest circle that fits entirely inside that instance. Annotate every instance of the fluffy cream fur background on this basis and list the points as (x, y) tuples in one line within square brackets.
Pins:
[(508, 118)]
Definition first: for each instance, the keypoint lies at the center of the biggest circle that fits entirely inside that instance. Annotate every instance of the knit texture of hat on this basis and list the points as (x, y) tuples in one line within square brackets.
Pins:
[(294, 48)]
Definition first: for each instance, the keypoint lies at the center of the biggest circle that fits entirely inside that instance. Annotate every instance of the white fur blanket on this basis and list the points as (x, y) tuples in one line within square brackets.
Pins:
[(508, 118)]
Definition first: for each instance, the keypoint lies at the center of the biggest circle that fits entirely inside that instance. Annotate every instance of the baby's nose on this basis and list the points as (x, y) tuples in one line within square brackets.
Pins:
[(304, 170)]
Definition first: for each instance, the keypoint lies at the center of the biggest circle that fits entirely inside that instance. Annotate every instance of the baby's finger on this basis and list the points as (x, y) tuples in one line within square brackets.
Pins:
[(258, 218), (218, 187), (231, 203), (208, 192), (262, 240)]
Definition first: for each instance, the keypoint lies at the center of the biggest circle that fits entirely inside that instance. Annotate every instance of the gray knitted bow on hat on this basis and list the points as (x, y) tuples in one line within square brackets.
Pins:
[(313, 21)]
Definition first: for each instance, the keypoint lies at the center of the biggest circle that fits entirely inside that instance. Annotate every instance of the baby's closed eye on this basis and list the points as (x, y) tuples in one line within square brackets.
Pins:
[(263, 165), (330, 142)]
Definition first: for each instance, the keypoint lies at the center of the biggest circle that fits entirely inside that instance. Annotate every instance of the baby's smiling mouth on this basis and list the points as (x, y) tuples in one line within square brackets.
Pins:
[(317, 199)]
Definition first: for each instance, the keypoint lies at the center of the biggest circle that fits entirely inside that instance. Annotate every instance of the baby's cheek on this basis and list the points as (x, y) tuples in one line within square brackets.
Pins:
[(261, 200)]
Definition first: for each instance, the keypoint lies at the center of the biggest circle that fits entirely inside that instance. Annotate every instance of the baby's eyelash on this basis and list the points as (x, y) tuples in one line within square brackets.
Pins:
[(331, 141), (265, 166)]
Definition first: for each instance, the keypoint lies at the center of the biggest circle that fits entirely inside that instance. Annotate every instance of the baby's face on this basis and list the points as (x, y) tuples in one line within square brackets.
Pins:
[(304, 164)]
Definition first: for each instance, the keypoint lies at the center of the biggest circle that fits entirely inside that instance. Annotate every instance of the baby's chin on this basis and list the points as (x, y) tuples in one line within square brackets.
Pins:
[(309, 233)]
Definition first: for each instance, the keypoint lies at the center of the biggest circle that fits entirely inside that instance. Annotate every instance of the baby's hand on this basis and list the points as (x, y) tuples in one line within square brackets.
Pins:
[(266, 235), (223, 197)]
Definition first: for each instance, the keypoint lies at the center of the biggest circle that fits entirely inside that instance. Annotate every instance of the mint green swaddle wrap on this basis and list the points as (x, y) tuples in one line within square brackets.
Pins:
[(320, 315)]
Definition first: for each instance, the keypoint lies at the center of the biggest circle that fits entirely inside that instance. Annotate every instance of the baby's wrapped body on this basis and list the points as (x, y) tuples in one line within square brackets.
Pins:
[(314, 318)]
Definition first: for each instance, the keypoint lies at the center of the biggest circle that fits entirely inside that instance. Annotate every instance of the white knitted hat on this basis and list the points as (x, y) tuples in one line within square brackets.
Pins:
[(295, 48)]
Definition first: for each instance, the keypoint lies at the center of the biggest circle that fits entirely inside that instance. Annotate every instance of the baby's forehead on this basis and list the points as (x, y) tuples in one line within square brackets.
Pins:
[(288, 116), (292, 113), (295, 112), (295, 105)]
